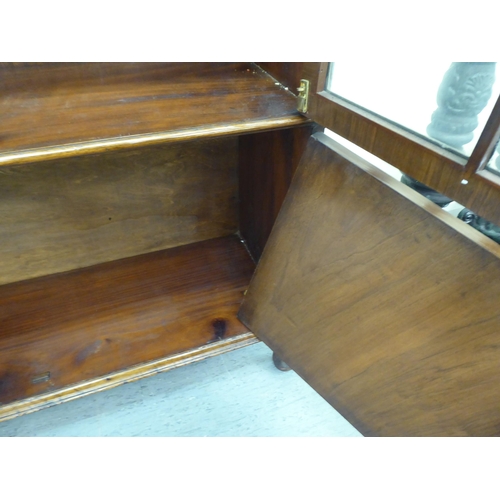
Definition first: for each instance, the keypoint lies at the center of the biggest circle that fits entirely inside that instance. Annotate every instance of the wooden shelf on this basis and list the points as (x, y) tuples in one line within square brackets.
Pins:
[(81, 325), (60, 110), (132, 374)]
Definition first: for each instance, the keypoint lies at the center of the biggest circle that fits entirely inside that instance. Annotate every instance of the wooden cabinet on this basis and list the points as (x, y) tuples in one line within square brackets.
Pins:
[(136, 200), (130, 195)]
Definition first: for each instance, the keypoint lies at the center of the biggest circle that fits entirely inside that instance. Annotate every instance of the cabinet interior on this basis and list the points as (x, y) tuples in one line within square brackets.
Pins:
[(132, 197)]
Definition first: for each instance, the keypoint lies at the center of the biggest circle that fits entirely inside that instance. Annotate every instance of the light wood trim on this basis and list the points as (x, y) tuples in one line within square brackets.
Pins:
[(118, 378), (115, 144)]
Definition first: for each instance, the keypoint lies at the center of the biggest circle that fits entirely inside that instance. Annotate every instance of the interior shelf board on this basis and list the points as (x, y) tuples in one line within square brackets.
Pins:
[(61, 329), (60, 110), (132, 374)]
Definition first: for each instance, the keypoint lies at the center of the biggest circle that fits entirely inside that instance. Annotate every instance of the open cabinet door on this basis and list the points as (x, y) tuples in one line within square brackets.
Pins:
[(384, 303)]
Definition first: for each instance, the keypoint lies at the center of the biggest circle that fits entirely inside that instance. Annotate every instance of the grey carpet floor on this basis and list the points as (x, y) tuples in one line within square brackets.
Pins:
[(236, 394)]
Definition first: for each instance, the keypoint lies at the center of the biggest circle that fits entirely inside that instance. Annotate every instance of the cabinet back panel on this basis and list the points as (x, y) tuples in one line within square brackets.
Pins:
[(76, 212)]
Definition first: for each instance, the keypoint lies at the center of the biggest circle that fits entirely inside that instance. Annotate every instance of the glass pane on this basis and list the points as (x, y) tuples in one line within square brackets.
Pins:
[(448, 103), (494, 163)]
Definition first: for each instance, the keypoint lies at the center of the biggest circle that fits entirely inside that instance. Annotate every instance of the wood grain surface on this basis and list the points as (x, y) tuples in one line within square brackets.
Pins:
[(76, 212), (287, 73), (383, 302), (76, 326), (104, 105), (267, 162), (131, 374)]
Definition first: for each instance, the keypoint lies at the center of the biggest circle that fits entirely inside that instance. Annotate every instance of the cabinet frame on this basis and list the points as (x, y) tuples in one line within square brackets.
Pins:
[(462, 180)]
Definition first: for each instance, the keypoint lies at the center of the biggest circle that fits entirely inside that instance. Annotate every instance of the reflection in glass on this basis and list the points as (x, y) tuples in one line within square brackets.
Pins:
[(448, 103), (494, 163)]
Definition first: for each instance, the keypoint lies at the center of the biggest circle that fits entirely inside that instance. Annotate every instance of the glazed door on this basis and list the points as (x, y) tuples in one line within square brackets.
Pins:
[(384, 303)]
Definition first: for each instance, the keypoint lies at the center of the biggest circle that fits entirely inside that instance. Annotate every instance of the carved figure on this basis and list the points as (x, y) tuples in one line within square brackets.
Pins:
[(462, 95)]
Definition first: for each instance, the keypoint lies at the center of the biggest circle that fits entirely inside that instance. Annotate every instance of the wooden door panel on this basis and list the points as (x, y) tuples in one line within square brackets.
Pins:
[(381, 301)]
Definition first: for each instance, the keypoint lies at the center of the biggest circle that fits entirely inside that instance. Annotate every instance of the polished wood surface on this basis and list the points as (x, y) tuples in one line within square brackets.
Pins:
[(430, 164), (287, 73), (86, 178), (132, 374), (381, 301), (71, 327), (77, 212), (267, 162), (60, 110)]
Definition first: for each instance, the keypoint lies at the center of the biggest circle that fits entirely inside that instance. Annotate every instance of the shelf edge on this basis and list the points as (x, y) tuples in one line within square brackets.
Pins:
[(132, 374), (119, 143)]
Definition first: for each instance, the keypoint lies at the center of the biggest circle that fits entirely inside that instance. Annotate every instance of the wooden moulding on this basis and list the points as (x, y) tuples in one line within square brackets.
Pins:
[(76, 212), (116, 379), (61, 330), (61, 110)]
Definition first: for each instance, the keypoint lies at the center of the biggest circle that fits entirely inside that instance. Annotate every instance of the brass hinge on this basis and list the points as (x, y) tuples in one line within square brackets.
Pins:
[(303, 96)]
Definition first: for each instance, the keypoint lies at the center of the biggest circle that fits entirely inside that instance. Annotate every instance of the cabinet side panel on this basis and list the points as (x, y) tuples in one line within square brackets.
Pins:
[(384, 303), (72, 213), (267, 162)]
